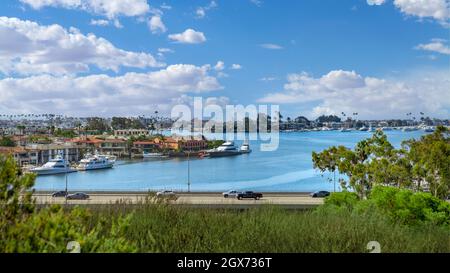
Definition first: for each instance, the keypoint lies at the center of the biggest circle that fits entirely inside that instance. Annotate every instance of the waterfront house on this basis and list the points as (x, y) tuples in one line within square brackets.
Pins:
[(38, 154), (114, 146), (44, 152), (20, 155), (192, 144), (131, 132), (89, 143), (167, 143), (178, 143), (139, 147)]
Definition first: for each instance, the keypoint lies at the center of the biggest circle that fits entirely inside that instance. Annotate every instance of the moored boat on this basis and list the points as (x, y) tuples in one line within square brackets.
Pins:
[(226, 149), (96, 162), (245, 148), (57, 165)]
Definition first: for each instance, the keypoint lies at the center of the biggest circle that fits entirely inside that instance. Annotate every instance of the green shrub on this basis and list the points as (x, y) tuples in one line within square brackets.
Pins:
[(51, 229), (342, 199), (409, 207)]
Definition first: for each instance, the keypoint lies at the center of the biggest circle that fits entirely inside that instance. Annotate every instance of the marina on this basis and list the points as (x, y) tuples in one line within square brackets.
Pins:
[(288, 169)]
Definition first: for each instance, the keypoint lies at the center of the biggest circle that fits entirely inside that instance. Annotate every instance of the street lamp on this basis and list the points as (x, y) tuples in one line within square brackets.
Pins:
[(189, 172), (66, 187)]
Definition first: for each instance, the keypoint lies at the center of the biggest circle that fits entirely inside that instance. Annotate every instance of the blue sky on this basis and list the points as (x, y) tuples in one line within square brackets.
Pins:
[(381, 60)]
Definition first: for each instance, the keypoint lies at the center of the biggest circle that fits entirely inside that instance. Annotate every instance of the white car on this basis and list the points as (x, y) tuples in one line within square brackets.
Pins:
[(232, 194), (166, 194)]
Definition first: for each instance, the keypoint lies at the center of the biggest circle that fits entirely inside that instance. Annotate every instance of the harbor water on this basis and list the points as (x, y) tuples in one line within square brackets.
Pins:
[(287, 169)]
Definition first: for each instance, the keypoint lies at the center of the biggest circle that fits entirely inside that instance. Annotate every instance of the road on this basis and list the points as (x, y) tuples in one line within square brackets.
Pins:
[(289, 200)]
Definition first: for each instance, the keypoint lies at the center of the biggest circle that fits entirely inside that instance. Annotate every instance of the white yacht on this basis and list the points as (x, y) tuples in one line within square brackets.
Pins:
[(429, 129), (245, 148), (57, 165), (153, 155), (226, 149), (96, 162)]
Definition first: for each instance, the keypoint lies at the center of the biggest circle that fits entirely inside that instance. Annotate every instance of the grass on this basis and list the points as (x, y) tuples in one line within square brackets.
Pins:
[(168, 229)]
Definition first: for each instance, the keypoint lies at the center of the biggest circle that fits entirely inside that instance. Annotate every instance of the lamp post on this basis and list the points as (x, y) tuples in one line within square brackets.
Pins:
[(189, 173), (65, 197)]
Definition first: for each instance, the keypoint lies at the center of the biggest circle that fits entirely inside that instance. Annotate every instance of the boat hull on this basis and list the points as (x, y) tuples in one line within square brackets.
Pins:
[(50, 172), (224, 153), (91, 168)]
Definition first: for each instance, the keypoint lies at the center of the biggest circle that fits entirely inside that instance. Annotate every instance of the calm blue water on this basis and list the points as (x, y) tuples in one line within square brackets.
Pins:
[(289, 168)]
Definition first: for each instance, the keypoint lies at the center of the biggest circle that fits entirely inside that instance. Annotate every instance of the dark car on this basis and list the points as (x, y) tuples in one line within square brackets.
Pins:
[(78, 196), (249, 195), (59, 194), (320, 194)]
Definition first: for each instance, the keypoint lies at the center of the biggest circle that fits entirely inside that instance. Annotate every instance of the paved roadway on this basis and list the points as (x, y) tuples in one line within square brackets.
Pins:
[(289, 200)]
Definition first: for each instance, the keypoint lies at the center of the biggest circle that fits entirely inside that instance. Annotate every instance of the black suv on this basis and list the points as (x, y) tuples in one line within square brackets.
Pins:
[(249, 195)]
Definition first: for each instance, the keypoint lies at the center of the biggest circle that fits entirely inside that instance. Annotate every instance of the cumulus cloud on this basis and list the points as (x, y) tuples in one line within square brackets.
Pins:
[(156, 25), (436, 45), (376, 2), (346, 91), (219, 66), (435, 9), (236, 66), (132, 93), (29, 48), (271, 46), (189, 36), (109, 8)]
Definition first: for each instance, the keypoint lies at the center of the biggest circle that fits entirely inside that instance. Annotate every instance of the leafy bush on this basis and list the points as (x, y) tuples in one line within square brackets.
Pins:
[(399, 205), (409, 207), (342, 199), (23, 228), (51, 229)]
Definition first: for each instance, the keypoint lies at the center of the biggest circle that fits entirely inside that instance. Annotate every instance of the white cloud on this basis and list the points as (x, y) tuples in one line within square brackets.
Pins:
[(436, 45), (99, 22), (222, 74), (256, 2), (156, 25), (376, 2), (219, 66), (109, 8), (189, 36), (271, 46), (165, 6), (165, 50), (340, 79), (29, 48), (346, 91), (132, 93), (200, 12), (436, 9), (268, 79), (236, 66)]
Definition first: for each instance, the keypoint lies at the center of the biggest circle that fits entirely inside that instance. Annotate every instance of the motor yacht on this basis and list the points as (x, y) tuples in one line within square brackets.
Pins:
[(56, 165), (96, 162)]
